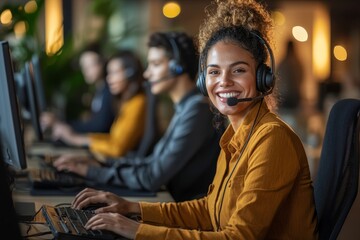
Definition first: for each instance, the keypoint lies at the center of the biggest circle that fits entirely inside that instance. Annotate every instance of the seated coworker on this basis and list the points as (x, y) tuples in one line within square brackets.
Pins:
[(92, 65), (124, 77), (184, 159), (262, 187)]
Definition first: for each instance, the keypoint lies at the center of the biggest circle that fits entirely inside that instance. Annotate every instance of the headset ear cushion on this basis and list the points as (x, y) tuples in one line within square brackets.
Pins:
[(200, 83), (264, 79), (175, 68)]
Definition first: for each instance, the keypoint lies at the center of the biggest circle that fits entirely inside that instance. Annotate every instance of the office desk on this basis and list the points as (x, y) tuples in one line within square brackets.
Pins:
[(21, 192), (22, 196), (36, 216), (30, 204)]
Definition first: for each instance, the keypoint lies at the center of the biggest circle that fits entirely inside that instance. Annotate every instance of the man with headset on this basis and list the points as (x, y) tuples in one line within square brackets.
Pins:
[(184, 159)]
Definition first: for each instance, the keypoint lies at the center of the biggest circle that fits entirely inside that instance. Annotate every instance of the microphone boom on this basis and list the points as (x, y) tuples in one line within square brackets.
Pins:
[(233, 101)]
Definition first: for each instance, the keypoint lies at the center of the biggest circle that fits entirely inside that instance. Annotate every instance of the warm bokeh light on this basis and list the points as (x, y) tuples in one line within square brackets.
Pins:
[(278, 17), (54, 30), (171, 9), (340, 53), (300, 33), (6, 17), (321, 45), (30, 6), (20, 29)]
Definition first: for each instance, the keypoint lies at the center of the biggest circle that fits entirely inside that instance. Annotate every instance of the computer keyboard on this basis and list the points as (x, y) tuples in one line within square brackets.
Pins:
[(68, 223), (50, 178)]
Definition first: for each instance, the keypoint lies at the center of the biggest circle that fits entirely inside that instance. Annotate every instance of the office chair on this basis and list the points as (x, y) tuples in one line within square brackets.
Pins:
[(336, 183)]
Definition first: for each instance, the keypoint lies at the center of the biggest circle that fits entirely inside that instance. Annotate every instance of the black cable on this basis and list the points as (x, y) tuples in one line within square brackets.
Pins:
[(62, 204), (30, 224), (237, 161)]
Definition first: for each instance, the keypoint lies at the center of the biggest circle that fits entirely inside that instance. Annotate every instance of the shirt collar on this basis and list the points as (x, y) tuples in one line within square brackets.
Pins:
[(233, 141)]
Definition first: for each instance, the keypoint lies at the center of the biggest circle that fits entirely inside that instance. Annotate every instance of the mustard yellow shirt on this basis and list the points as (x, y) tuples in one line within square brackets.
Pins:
[(126, 131), (269, 194)]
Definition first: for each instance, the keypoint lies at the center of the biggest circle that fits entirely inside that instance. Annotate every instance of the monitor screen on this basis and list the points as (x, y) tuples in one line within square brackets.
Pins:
[(11, 136), (38, 80), (32, 101), (21, 94)]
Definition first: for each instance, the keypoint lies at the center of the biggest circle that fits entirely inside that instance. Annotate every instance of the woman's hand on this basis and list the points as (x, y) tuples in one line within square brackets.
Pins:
[(114, 203), (47, 119), (114, 222), (65, 133), (75, 164), (61, 131)]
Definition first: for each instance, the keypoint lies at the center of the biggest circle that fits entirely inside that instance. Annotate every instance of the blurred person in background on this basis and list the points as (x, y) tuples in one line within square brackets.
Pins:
[(101, 113), (290, 74), (125, 80)]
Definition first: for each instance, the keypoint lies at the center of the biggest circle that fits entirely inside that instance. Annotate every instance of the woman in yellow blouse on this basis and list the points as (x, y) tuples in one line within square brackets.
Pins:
[(262, 188), (124, 76)]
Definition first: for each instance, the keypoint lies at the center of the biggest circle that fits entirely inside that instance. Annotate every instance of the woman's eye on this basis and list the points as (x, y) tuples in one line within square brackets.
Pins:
[(213, 72), (239, 70)]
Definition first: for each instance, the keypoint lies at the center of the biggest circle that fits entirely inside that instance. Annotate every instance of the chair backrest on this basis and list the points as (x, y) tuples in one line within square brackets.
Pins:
[(336, 182)]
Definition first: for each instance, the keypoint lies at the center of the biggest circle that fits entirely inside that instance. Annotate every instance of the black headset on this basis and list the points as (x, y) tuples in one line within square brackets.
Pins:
[(131, 66), (265, 79), (175, 66)]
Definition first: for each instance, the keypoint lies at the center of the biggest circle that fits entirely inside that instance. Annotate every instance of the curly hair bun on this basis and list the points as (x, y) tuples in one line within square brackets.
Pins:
[(228, 13)]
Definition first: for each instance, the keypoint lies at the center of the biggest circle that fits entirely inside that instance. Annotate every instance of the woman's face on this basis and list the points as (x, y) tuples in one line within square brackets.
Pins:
[(91, 67), (157, 71), (230, 72), (116, 77)]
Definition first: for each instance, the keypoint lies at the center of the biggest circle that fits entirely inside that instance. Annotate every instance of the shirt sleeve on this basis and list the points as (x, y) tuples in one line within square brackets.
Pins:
[(173, 152), (126, 131), (189, 214), (186, 220)]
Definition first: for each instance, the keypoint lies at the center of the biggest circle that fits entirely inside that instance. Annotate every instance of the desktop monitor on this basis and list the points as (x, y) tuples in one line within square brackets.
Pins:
[(32, 101), (21, 94), (9, 223), (11, 136), (38, 81)]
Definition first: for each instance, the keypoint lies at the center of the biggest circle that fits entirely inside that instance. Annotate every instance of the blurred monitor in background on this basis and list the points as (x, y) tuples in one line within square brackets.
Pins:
[(11, 136)]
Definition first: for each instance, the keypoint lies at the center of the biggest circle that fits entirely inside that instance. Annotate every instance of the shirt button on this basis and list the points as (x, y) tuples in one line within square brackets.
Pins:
[(229, 184)]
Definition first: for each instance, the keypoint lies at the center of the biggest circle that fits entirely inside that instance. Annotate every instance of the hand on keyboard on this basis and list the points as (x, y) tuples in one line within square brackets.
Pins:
[(69, 223)]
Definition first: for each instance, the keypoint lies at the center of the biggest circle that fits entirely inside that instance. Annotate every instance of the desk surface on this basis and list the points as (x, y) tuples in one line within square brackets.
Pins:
[(22, 194)]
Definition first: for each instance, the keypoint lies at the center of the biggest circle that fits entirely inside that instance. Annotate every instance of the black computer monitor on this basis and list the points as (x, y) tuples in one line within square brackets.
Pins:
[(38, 80), (32, 101), (22, 95), (11, 135), (9, 222)]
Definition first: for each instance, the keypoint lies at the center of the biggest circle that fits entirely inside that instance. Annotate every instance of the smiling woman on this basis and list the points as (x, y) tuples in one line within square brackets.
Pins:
[(262, 173)]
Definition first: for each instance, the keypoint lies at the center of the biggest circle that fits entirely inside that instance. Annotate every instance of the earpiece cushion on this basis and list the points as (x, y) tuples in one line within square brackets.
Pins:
[(175, 67), (200, 83), (264, 79)]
